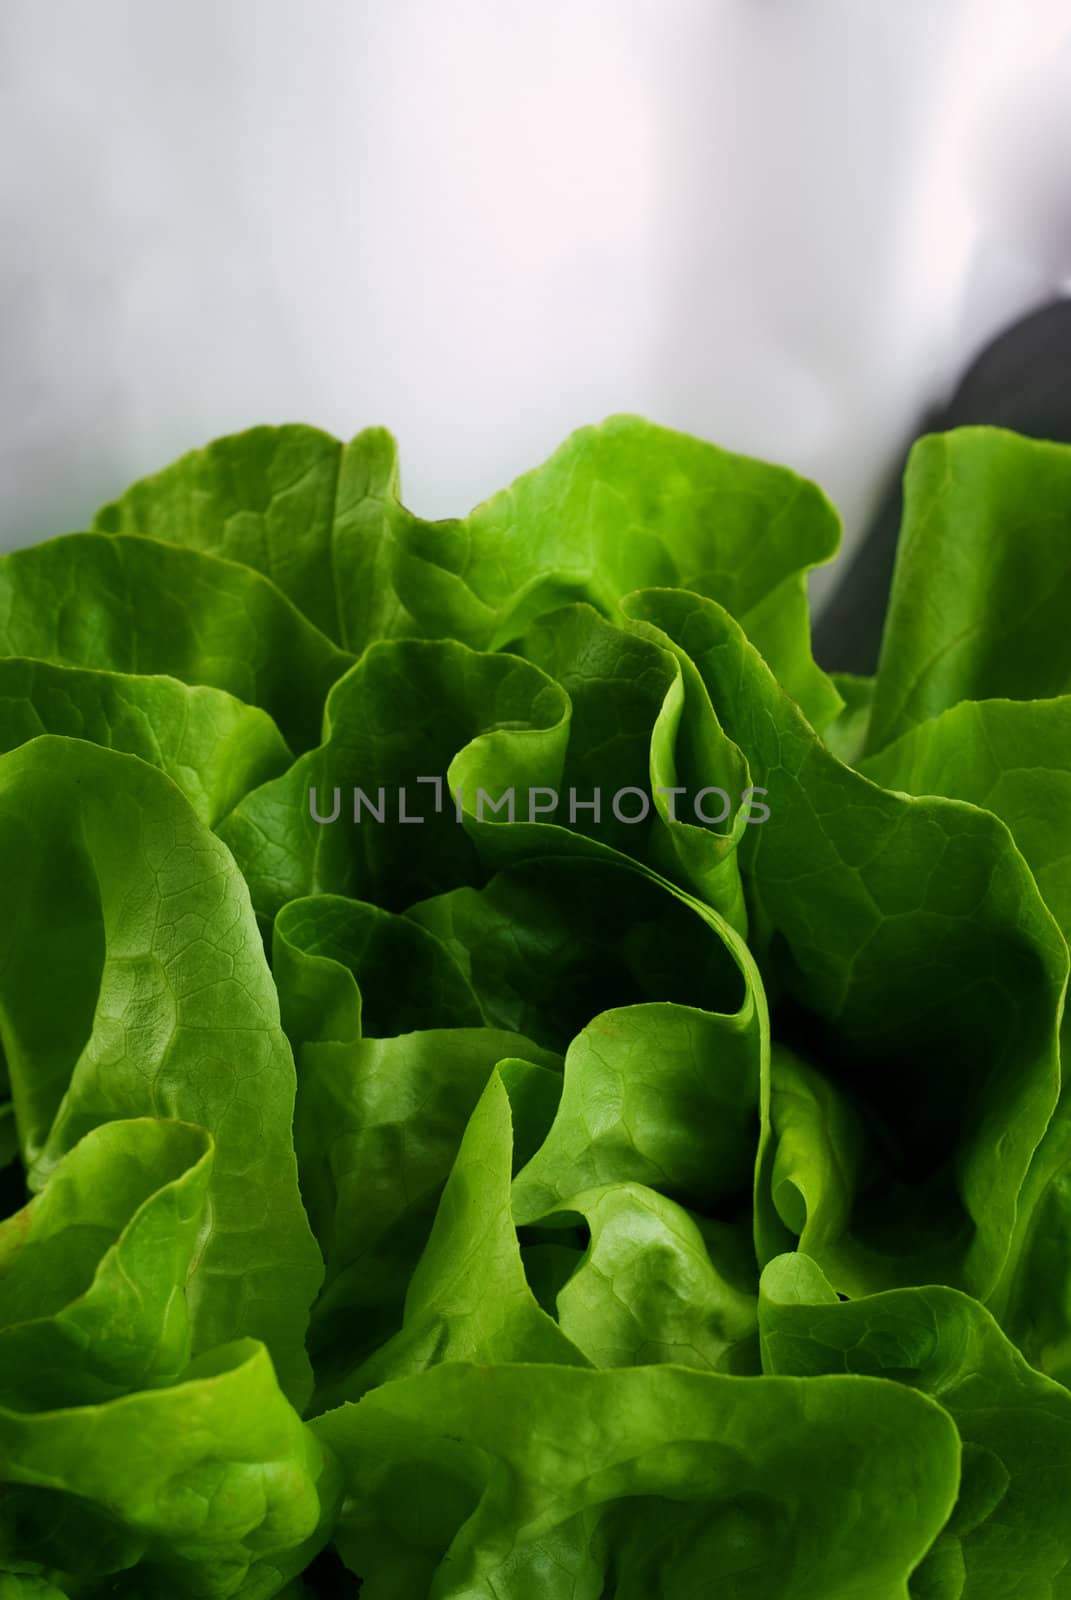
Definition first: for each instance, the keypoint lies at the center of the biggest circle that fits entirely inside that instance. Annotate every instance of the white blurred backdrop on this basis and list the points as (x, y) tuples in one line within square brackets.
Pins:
[(782, 226)]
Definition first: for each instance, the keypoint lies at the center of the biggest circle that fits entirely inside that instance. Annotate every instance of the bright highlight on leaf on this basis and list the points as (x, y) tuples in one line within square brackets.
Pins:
[(439, 1159)]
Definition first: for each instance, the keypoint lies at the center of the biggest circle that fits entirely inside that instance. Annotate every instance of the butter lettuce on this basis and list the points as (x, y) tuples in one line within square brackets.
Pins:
[(422, 1174)]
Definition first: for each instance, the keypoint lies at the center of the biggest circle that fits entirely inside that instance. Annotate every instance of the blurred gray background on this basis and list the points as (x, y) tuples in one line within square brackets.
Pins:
[(784, 227)]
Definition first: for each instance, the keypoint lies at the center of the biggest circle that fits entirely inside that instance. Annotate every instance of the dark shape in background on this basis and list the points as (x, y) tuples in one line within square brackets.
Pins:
[(328, 1579), (1022, 380)]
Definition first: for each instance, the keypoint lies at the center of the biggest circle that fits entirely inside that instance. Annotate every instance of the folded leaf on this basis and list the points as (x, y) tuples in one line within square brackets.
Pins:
[(1013, 757), (470, 1481), (130, 605), (353, 816), (618, 506), (212, 746), (818, 1145), (651, 1288), (150, 996), (93, 1270), (923, 974), (468, 1298), (847, 735), (196, 1483), (1008, 1535), (662, 1095), (289, 502), (550, 942), (378, 1125), (982, 582), (641, 721), (344, 968)]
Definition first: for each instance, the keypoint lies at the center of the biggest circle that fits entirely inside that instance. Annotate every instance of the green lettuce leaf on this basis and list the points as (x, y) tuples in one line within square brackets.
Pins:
[(212, 746), (659, 1094), (818, 1143), (9, 1138), (345, 969), (377, 1127), (617, 507), (151, 997), (846, 736), (131, 605), (657, 1284), (196, 1483), (353, 817), (908, 946), (513, 1480), (641, 720), (15, 1587), (468, 1298), (291, 503), (93, 1270), (982, 583), (1008, 1535), (548, 943), (1013, 758)]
